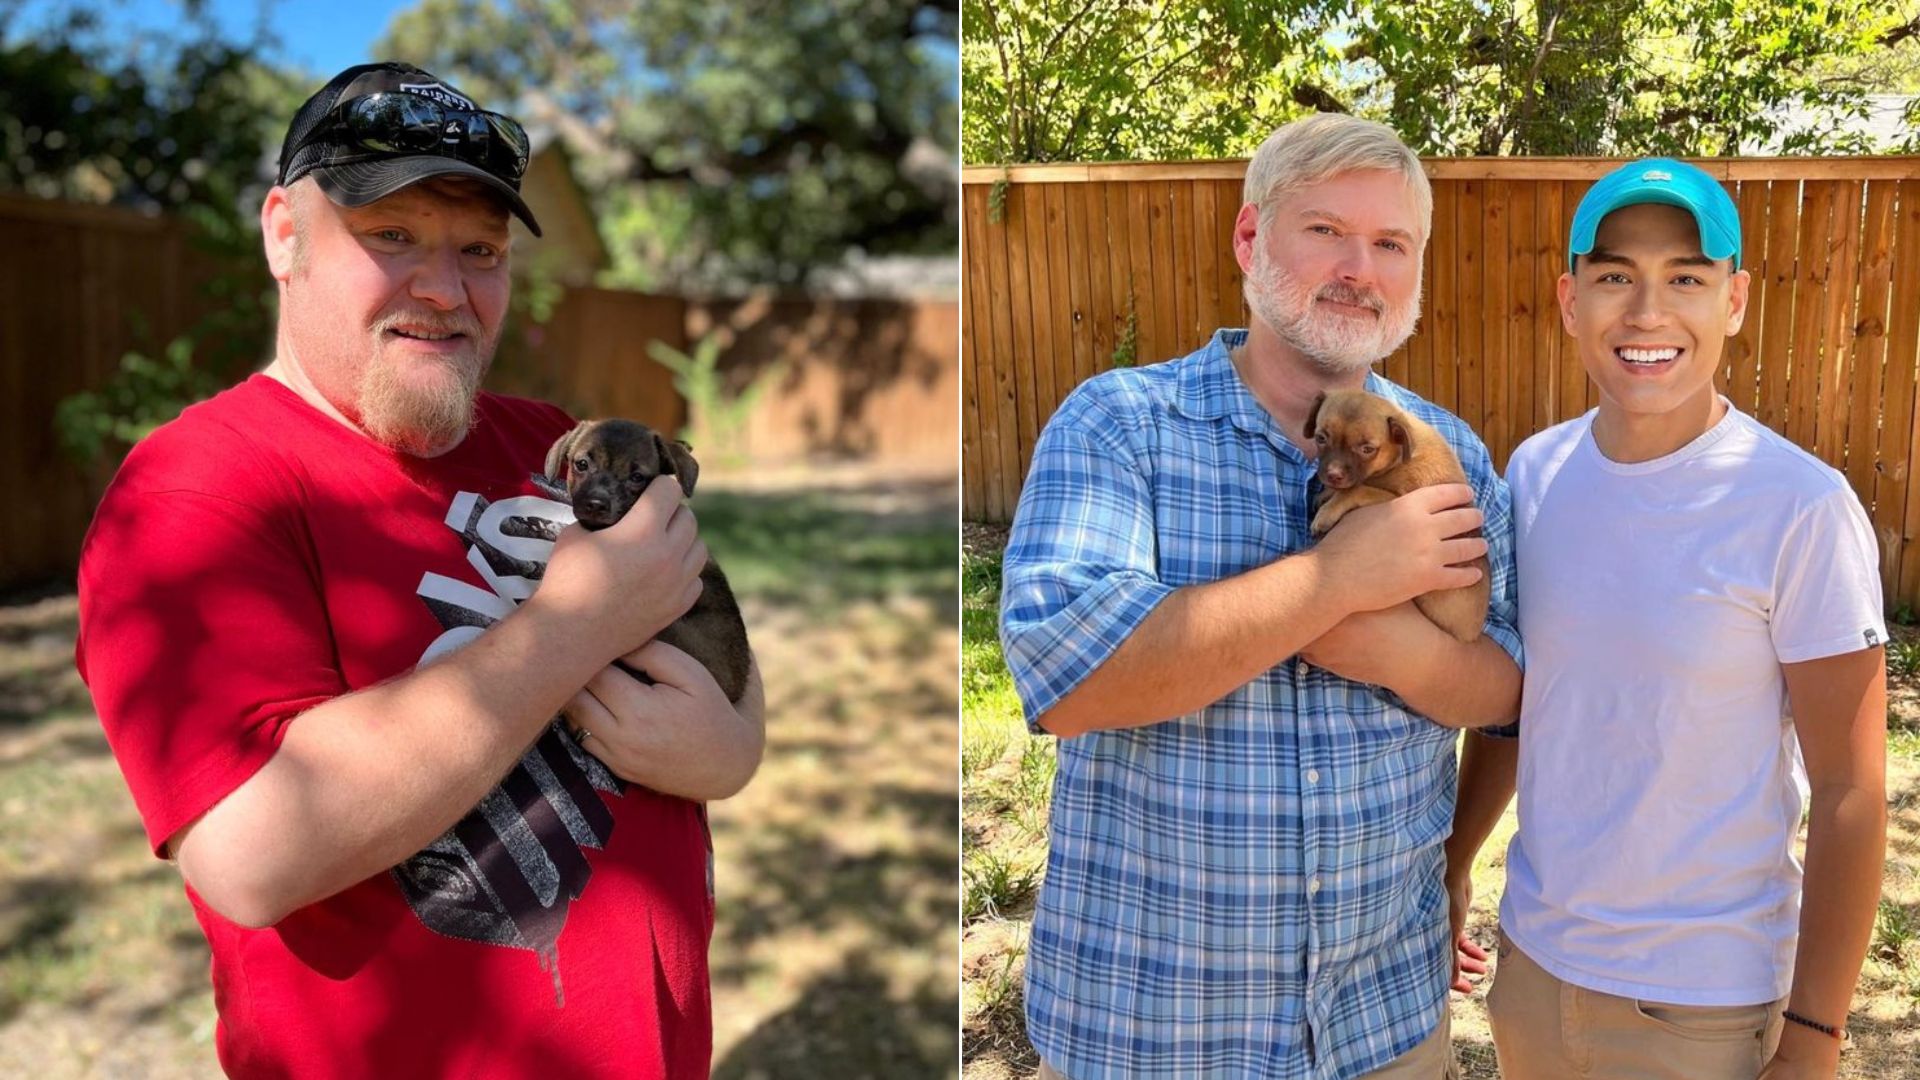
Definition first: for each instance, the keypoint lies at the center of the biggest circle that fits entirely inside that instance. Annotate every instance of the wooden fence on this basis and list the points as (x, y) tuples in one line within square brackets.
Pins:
[(862, 378), (1090, 260)]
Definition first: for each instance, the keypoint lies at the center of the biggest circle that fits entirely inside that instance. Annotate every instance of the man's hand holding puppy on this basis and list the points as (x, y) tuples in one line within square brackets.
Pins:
[(1384, 555), (1380, 557), (621, 585), (680, 735)]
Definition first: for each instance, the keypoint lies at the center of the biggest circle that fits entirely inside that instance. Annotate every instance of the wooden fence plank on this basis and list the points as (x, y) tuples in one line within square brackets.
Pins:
[(1203, 238), (1494, 421), (1060, 307), (1549, 242), (1810, 282), (1779, 281), (973, 319), (1743, 380), (1095, 257), (1903, 353), (1444, 310), (1576, 390), (1889, 505), (1185, 281), (1079, 295), (1143, 304), (999, 405), (1520, 318), (1473, 291), (1836, 331), (1126, 284), (1021, 376), (1233, 302), (1869, 335)]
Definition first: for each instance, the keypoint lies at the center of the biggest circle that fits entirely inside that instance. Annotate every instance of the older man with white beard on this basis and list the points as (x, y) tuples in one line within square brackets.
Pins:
[(385, 816), (1256, 780)]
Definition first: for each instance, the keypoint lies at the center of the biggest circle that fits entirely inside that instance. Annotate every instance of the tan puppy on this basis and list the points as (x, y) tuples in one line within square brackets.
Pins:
[(1371, 451), (605, 465)]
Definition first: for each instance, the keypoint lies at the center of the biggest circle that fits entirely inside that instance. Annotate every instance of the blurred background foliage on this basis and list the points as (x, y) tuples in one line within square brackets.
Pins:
[(722, 144), (1103, 80), (719, 146)]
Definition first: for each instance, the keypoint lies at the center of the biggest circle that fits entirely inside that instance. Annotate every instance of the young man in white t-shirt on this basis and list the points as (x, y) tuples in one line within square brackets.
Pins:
[(1700, 604)]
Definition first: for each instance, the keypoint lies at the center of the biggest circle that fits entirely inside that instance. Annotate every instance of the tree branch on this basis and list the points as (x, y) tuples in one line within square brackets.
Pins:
[(1316, 98)]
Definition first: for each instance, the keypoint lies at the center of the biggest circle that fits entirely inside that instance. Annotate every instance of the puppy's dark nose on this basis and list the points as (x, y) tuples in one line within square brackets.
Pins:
[(594, 504)]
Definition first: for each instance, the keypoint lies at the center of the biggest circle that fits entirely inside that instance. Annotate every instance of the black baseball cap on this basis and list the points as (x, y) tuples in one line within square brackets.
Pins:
[(355, 175)]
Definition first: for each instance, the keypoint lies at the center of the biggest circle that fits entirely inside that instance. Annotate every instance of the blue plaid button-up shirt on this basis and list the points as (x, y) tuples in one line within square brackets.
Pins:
[(1254, 889)]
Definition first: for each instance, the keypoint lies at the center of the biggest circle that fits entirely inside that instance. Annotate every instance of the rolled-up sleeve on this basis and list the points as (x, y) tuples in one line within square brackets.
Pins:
[(1080, 569)]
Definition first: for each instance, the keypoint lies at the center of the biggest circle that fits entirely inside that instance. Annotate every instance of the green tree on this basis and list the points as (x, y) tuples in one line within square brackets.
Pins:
[(1166, 79), (178, 123), (1693, 77), (182, 124), (725, 141), (1093, 80)]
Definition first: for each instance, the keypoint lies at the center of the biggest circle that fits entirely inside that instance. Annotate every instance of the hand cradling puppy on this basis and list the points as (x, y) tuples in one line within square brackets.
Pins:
[(1372, 451), (605, 465)]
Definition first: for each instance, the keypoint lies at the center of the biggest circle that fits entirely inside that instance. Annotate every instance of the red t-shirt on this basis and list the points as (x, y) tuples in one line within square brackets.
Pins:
[(254, 559)]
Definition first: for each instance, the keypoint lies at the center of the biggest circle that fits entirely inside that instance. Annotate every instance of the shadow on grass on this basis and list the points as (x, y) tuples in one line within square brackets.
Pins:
[(829, 549), (37, 678), (848, 1025), (901, 895)]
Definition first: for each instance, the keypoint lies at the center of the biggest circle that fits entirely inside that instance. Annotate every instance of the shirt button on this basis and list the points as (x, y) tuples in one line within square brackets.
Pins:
[(1313, 776), (1301, 669), (1313, 887)]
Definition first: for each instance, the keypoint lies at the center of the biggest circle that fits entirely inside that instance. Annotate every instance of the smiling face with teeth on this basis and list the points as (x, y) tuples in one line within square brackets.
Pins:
[(390, 312), (1650, 315)]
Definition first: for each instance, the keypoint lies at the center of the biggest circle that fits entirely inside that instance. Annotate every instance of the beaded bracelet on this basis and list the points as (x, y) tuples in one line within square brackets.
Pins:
[(1838, 1034)]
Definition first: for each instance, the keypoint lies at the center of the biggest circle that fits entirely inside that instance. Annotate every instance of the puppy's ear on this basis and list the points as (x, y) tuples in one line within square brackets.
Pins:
[(561, 452), (1313, 411), (1397, 431), (676, 457)]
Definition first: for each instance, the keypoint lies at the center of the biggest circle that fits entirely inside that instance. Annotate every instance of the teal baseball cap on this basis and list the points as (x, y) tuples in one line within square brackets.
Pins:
[(1660, 180)]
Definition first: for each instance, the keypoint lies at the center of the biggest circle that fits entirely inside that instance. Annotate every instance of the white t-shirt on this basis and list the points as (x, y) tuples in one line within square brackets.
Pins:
[(1660, 781)]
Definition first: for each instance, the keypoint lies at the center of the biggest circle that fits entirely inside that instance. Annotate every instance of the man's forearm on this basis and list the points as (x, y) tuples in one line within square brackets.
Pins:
[(1487, 771), (1846, 843), (370, 778), (1201, 643), (1458, 684)]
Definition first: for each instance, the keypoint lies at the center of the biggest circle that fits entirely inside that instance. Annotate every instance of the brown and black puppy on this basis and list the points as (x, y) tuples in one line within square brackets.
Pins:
[(1372, 451), (605, 465)]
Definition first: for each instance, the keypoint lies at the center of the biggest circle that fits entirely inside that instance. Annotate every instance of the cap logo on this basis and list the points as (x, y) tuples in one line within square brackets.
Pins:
[(438, 93), (1657, 174)]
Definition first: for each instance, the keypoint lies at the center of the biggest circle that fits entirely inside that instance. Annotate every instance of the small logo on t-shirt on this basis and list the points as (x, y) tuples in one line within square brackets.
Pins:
[(1873, 637)]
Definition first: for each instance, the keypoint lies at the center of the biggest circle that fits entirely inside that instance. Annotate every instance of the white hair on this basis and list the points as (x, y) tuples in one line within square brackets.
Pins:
[(1314, 148)]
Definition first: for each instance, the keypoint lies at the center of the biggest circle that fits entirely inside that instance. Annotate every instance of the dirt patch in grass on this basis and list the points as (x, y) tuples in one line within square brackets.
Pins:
[(837, 932), (1002, 802)]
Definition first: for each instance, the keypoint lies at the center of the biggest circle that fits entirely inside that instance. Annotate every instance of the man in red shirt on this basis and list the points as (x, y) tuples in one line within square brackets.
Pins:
[(428, 829)]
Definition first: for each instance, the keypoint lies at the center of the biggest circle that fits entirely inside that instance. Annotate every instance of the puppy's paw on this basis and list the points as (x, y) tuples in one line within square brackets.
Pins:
[(1326, 519)]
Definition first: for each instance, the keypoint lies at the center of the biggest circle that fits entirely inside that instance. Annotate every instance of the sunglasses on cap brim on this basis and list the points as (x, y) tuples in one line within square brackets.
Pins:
[(400, 123)]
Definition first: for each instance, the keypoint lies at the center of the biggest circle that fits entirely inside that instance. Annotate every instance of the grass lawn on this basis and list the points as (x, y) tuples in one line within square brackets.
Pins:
[(1006, 781), (835, 938)]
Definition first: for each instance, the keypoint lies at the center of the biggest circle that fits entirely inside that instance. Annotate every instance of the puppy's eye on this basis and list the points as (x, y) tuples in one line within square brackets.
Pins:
[(1368, 450), (1320, 438), (581, 464), (636, 477)]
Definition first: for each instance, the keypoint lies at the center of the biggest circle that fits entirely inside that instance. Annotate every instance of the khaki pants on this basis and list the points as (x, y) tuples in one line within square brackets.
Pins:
[(1431, 1060), (1545, 1029)]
